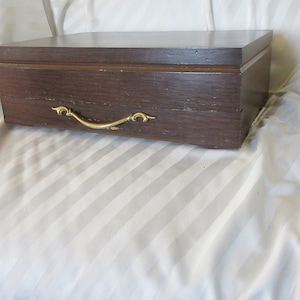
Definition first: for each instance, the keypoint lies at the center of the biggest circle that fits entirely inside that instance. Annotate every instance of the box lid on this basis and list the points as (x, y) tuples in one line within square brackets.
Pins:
[(197, 47)]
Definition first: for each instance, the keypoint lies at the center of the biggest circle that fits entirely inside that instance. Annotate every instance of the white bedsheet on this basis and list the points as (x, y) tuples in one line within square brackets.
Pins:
[(86, 215), (89, 216)]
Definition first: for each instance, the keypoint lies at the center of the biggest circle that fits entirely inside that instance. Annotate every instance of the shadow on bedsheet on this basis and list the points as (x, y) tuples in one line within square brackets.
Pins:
[(284, 61), (4, 128)]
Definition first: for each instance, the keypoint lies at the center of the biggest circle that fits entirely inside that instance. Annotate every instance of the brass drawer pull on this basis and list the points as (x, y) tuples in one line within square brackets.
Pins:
[(111, 125)]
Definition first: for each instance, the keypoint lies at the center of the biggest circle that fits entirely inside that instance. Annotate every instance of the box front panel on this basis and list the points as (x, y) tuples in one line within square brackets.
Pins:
[(191, 107)]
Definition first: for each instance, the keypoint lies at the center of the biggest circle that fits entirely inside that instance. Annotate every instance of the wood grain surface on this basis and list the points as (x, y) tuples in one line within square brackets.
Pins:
[(202, 104)]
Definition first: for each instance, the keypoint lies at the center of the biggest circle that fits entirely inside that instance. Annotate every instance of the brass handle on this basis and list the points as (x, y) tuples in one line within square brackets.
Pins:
[(111, 125)]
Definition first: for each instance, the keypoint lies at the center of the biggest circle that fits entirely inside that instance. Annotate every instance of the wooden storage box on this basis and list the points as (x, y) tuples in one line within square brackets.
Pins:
[(202, 88)]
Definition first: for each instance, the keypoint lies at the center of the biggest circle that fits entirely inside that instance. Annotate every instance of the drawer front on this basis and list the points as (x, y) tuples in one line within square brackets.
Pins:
[(190, 107)]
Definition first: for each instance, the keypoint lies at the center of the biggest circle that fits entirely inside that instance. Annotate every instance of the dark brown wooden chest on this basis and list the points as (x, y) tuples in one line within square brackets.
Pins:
[(202, 88)]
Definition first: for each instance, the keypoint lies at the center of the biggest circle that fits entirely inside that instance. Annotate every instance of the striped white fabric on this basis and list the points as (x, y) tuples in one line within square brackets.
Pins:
[(89, 216)]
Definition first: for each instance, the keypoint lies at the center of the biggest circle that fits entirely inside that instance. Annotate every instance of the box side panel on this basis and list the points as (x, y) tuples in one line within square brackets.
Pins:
[(190, 107), (256, 46), (255, 90)]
